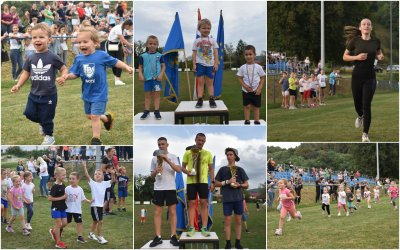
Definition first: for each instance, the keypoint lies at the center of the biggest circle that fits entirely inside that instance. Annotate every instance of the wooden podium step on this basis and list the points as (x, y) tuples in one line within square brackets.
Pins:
[(198, 239)]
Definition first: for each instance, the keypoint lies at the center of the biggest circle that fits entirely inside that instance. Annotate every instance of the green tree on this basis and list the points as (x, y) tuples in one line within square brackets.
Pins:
[(239, 52)]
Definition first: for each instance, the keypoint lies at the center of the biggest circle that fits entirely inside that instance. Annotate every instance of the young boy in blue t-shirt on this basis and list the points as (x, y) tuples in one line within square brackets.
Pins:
[(90, 66)]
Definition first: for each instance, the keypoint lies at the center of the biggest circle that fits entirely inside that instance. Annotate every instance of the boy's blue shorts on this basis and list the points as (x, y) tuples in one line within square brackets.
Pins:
[(202, 70), (95, 108), (58, 214), (122, 193), (235, 206), (152, 86), (4, 203)]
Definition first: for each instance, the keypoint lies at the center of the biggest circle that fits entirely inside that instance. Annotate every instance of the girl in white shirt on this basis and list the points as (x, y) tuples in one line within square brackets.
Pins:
[(44, 176)]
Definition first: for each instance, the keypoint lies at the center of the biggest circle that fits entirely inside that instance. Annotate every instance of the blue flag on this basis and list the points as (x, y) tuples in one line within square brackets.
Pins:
[(181, 212), (218, 74), (210, 199), (173, 45)]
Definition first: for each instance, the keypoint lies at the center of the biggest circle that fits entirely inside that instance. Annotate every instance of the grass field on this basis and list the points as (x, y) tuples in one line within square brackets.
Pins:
[(375, 228), (117, 229), (335, 121), (71, 125), (254, 240), (231, 95)]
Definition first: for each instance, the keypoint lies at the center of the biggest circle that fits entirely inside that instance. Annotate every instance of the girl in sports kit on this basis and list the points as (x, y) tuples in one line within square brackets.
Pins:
[(363, 49)]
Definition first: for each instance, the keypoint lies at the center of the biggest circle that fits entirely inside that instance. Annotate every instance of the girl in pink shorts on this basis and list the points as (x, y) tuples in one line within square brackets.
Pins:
[(342, 200), (287, 198)]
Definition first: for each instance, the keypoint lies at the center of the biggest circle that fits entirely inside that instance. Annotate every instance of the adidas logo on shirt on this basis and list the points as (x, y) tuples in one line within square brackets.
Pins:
[(39, 70)]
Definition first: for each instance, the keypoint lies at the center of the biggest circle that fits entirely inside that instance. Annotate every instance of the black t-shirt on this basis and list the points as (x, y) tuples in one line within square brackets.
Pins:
[(51, 166), (58, 190), (230, 194), (41, 67), (107, 162), (350, 196), (33, 13), (364, 69)]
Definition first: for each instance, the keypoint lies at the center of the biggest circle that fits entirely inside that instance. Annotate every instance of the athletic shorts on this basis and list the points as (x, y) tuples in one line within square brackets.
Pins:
[(292, 92), (165, 197), (285, 93), (95, 108), (122, 192), (152, 86), (202, 70), (110, 194), (97, 213), (77, 217), (17, 212), (4, 203), (235, 206), (197, 188), (307, 94), (341, 205), (313, 93), (58, 214), (244, 216), (251, 98)]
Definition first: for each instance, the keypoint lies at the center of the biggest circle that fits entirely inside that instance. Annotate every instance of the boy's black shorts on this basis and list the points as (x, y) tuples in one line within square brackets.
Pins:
[(165, 197), (77, 217), (251, 98)]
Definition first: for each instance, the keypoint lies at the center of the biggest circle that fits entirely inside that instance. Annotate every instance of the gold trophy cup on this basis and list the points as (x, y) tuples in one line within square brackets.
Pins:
[(160, 160), (196, 161), (233, 173)]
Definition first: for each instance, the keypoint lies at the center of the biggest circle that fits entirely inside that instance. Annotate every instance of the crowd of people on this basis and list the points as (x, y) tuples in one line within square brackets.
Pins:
[(18, 191)]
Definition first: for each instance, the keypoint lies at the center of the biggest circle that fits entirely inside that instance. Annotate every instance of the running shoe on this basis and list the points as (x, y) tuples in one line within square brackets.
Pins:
[(174, 241), (191, 232), (92, 236), (48, 140), (144, 115), (157, 114), (199, 103), (108, 124), (205, 232), (364, 137), (359, 121), (156, 241)]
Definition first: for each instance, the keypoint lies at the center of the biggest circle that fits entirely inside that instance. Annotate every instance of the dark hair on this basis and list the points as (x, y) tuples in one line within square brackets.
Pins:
[(108, 150), (250, 47), (200, 135), (127, 22), (350, 32), (162, 139)]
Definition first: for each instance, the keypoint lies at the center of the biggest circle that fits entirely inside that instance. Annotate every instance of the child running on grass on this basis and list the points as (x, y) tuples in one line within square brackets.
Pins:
[(90, 66), (98, 188), (394, 194), (358, 197), (367, 196), (58, 206), (252, 78), (75, 196), (350, 199), (5, 188), (326, 200), (287, 205), (29, 190), (376, 194), (342, 200), (40, 68), (16, 198), (151, 71)]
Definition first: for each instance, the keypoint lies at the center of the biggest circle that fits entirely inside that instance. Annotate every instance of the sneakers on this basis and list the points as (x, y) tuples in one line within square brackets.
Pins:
[(205, 232), (61, 245), (92, 236), (246, 122), (157, 114), (156, 241), (292, 107), (338, 214), (257, 122), (191, 232), (238, 246), (108, 124), (119, 83), (144, 115), (289, 218), (228, 245), (81, 239), (299, 216), (25, 232), (101, 240), (41, 132), (28, 226), (369, 206), (52, 234), (364, 137), (212, 102), (9, 229), (48, 140), (347, 213), (199, 103), (359, 121), (95, 141), (174, 241), (278, 231)]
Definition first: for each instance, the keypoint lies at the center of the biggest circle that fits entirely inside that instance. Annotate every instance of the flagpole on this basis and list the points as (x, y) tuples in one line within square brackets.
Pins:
[(187, 74)]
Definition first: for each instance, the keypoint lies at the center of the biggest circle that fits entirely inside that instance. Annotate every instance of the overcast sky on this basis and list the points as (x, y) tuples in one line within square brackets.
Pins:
[(250, 142), (283, 144), (242, 20)]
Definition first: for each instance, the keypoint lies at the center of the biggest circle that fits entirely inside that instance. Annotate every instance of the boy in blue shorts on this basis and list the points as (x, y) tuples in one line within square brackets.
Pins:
[(205, 62), (58, 206), (41, 68), (90, 66), (123, 180)]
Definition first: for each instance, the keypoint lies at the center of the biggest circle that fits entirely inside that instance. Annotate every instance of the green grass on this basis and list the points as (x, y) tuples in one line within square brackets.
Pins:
[(375, 228), (117, 229), (255, 221), (335, 121), (231, 95), (70, 124)]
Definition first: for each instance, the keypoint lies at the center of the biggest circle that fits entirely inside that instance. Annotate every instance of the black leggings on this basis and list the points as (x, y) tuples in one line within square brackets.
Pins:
[(327, 208), (363, 92), (119, 54)]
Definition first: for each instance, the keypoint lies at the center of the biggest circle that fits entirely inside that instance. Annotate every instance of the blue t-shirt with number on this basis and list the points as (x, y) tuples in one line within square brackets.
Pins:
[(92, 70)]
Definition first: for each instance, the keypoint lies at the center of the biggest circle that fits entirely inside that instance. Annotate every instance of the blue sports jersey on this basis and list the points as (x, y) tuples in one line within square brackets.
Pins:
[(92, 70)]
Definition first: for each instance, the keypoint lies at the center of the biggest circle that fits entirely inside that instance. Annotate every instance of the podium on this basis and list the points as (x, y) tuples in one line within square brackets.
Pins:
[(198, 238), (188, 109), (166, 118), (164, 245)]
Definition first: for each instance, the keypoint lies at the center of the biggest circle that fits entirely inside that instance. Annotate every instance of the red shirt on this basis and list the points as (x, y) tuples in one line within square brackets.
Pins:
[(81, 12), (115, 161)]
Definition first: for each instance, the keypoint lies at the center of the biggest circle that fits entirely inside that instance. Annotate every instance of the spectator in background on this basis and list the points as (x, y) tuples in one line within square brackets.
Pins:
[(34, 12), (6, 20)]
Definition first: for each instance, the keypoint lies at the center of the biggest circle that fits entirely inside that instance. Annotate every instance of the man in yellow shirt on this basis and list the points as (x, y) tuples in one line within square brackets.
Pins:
[(198, 164)]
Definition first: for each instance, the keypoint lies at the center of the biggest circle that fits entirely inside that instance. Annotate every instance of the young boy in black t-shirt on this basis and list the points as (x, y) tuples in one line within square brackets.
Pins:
[(58, 206)]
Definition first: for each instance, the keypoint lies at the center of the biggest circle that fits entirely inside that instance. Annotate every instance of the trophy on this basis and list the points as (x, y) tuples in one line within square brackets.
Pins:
[(196, 161), (160, 160), (233, 173)]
